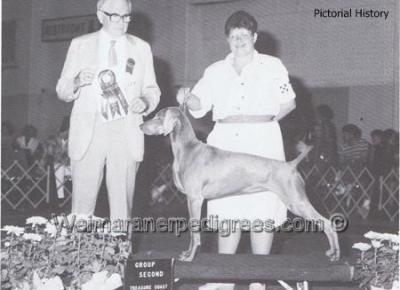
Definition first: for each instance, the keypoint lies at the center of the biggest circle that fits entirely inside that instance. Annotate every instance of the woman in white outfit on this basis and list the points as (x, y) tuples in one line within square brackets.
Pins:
[(248, 93)]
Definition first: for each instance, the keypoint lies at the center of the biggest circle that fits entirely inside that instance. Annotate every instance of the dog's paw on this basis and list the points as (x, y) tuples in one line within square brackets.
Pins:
[(334, 255)]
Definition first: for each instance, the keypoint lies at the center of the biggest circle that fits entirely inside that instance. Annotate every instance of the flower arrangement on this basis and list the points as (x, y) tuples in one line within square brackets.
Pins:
[(378, 265), (56, 255)]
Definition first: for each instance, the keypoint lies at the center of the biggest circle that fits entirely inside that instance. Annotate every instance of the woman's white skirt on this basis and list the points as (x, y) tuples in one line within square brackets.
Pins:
[(263, 139)]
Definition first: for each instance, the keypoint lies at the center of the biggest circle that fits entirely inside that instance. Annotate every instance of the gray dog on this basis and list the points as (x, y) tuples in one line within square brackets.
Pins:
[(203, 172)]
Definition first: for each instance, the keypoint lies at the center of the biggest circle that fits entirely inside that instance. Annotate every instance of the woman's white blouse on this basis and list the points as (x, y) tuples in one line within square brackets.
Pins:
[(259, 90)]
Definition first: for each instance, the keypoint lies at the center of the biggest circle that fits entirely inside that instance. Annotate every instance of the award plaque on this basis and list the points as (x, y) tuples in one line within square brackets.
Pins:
[(149, 274)]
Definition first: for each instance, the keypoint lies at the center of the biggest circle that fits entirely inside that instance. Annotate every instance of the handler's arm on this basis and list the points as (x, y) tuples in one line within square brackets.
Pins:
[(285, 109)]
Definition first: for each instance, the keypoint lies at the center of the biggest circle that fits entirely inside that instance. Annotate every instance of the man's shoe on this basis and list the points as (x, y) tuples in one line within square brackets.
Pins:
[(257, 286), (217, 286)]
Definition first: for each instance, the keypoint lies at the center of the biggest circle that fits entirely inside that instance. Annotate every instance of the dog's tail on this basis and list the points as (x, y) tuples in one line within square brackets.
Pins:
[(303, 148)]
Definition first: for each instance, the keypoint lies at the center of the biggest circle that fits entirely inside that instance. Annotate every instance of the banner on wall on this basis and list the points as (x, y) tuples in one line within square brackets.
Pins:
[(66, 28)]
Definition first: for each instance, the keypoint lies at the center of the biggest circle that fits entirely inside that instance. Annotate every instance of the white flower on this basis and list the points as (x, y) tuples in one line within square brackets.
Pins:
[(376, 244), (36, 220), (13, 230), (113, 282), (379, 236), (374, 235), (395, 239), (117, 234), (36, 280), (395, 247), (51, 229), (361, 246), (100, 276), (54, 283), (24, 286), (391, 237), (7, 244), (33, 237), (97, 281), (101, 282)]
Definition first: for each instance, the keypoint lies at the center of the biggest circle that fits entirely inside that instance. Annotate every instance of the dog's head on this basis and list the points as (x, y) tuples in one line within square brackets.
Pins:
[(163, 122)]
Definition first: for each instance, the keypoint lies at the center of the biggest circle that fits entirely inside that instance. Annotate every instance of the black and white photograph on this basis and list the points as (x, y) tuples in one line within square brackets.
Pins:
[(199, 144)]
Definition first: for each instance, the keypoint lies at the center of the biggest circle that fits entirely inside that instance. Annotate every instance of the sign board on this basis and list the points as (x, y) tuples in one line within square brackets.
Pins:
[(66, 28), (149, 274)]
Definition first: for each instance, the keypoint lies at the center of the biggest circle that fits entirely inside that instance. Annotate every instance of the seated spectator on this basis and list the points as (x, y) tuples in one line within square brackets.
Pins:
[(55, 147), (29, 144), (391, 147), (56, 155), (354, 150), (324, 137), (377, 160), (381, 161)]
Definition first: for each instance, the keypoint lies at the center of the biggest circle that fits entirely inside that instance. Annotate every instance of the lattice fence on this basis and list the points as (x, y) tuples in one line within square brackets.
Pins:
[(163, 189), (389, 195), (347, 191), (350, 190), (21, 186)]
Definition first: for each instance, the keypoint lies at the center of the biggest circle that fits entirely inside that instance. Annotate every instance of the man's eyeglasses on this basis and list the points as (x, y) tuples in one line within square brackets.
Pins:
[(114, 17), (243, 36)]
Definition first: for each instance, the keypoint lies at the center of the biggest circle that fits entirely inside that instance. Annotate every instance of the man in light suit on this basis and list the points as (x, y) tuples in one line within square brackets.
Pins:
[(109, 75)]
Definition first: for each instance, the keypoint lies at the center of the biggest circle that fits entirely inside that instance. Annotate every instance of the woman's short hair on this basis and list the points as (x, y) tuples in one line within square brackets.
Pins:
[(240, 19)]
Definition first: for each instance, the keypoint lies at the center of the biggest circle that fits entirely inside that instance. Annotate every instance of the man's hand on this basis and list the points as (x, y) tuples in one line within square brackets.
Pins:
[(83, 78), (138, 105), (182, 95)]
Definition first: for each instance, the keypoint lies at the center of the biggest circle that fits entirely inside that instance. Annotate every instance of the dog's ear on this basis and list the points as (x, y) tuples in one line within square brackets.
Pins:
[(169, 124)]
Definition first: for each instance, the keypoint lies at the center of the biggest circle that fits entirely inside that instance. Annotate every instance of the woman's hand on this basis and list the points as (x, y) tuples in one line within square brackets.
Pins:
[(184, 96)]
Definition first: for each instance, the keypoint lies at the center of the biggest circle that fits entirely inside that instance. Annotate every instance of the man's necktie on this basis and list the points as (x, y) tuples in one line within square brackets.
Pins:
[(112, 55)]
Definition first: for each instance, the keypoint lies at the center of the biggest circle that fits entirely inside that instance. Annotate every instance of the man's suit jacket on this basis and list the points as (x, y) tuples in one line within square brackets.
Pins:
[(83, 53)]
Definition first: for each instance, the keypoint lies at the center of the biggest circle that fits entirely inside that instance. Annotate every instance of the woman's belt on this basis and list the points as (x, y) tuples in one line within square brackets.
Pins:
[(247, 119)]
